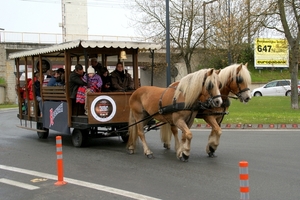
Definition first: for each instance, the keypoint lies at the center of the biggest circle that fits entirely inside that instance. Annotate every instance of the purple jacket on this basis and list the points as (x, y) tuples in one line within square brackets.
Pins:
[(93, 81)]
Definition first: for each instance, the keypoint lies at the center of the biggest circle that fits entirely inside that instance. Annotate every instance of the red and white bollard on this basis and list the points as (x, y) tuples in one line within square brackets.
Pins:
[(244, 180), (60, 166)]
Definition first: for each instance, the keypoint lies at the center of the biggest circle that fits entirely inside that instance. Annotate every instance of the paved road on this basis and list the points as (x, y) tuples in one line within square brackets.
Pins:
[(105, 171)]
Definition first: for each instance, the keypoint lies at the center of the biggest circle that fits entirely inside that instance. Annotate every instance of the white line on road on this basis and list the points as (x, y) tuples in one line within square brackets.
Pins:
[(18, 184), (94, 186)]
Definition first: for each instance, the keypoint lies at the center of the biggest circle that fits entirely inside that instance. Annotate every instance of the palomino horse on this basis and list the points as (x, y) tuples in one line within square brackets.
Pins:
[(235, 79), (177, 105)]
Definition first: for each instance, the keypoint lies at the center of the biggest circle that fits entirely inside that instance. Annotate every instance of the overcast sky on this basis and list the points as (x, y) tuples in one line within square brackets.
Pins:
[(105, 17)]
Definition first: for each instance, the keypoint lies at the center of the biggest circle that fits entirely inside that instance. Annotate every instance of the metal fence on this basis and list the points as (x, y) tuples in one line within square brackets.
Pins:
[(55, 38)]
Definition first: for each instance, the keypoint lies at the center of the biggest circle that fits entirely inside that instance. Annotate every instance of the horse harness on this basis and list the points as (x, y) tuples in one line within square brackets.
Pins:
[(238, 80)]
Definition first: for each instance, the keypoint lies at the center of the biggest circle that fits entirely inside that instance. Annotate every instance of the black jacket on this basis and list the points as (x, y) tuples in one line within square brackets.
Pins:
[(74, 82)]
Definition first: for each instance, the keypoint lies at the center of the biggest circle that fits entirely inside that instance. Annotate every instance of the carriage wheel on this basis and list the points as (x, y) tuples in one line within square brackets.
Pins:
[(80, 137), (123, 132), (42, 135)]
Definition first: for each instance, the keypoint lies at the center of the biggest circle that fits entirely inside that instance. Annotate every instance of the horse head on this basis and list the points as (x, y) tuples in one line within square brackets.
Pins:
[(202, 85), (236, 79), (211, 89)]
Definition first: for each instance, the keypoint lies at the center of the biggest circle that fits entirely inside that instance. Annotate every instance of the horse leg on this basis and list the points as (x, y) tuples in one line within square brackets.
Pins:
[(183, 151), (166, 132), (140, 132), (132, 140), (174, 130), (166, 135), (214, 137)]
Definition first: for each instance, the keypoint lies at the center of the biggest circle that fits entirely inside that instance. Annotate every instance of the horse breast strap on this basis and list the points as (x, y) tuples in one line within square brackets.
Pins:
[(170, 108)]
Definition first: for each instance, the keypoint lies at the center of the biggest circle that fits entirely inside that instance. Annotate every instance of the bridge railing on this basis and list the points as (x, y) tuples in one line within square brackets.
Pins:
[(55, 38)]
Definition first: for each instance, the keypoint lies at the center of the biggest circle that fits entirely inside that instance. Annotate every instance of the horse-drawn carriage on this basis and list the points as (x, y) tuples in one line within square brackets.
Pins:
[(202, 94), (108, 111)]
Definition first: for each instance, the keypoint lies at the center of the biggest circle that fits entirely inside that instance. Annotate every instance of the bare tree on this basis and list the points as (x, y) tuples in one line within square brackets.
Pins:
[(186, 25), (233, 26), (284, 17)]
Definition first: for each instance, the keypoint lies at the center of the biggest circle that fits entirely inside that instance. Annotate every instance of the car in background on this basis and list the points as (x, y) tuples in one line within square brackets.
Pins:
[(275, 88)]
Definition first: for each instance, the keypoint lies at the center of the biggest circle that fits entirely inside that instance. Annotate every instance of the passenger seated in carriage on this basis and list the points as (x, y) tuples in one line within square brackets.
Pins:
[(94, 84), (96, 65), (37, 90), (75, 81), (121, 79), (106, 80), (58, 79)]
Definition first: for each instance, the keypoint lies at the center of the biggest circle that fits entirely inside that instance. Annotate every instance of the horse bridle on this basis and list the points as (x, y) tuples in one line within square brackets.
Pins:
[(210, 101), (238, 80)]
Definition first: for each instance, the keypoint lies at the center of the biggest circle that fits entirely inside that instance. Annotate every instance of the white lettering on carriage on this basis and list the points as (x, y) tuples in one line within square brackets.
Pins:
[(54, 113), (104, 108)]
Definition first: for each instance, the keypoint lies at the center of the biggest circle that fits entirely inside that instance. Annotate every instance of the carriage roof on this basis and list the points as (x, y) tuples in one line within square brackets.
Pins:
[(78, 45)]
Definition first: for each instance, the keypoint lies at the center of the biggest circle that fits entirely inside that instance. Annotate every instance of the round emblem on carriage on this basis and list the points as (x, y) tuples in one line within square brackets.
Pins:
[(103, 108)]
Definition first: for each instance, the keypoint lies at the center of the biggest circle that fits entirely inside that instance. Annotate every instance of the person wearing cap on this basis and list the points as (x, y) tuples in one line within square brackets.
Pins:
[(94, 84), (121, 79)]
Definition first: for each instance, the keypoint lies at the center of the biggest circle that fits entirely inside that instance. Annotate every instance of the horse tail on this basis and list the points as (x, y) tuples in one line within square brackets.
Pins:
[(166, 135), (132, 140)]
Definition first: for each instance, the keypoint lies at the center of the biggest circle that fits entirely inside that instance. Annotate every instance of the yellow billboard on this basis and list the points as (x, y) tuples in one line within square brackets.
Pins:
[(271, 52)]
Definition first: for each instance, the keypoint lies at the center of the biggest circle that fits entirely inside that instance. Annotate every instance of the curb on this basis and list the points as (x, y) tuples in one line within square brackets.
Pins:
[(249, 126)]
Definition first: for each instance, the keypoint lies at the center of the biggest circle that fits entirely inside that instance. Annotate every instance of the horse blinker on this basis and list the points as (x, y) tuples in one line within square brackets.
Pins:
[(210, 86), (239, 79)]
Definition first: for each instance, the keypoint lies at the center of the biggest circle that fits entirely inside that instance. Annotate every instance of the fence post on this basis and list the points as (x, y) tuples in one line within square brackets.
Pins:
[(59, 158), (244, 180)]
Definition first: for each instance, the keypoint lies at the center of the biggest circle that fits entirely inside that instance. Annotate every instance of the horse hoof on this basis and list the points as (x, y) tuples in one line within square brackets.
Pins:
[(150, 156), (211, 155), (211, 152), (166, 146), (130, 151), (211, 149), (184, 158)]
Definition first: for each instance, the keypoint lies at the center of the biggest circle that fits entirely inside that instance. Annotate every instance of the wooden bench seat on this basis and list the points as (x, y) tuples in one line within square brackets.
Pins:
[(54, 93)]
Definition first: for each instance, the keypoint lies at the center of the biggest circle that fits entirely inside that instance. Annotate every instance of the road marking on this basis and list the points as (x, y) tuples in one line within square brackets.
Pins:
[(94, 186), (18, 184)]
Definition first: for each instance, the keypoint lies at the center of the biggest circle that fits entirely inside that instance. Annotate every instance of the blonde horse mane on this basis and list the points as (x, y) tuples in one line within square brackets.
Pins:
[(190, 86), (231, 71)]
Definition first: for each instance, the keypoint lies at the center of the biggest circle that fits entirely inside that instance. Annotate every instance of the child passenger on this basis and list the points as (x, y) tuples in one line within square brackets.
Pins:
[(94, 84)]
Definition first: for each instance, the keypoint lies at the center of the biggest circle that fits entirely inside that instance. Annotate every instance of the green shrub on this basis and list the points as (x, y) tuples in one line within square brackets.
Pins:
[(2, 81)]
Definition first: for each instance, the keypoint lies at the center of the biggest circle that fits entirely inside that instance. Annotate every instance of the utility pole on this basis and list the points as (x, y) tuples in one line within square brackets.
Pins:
[(229, 35), (248, 9), (204, 21), (168, 61)]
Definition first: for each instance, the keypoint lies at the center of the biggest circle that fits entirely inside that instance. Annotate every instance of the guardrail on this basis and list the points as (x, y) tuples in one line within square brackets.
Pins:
[(55, 38)]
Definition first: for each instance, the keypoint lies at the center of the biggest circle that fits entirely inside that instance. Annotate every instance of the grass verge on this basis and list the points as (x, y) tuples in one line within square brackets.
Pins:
[(261, 110), (8, 106)]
